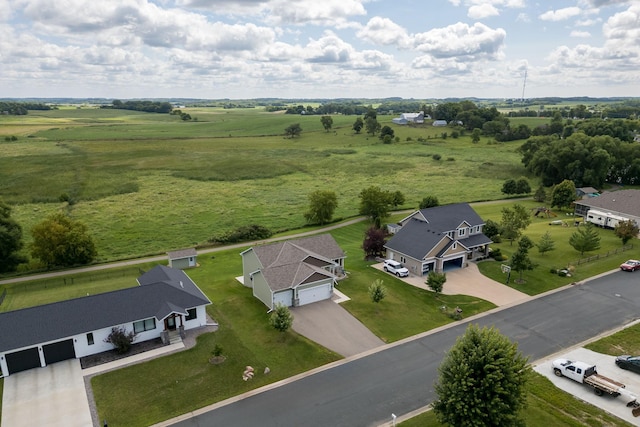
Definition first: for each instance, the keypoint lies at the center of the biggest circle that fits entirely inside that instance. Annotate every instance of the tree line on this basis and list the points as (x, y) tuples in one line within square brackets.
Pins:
[(21, 108), (146, 106)]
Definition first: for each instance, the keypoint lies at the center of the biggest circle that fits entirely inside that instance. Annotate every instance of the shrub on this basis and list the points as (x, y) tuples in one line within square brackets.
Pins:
[(244, 234), (217, 351), (436, 157), (496, 254), (120, 339)]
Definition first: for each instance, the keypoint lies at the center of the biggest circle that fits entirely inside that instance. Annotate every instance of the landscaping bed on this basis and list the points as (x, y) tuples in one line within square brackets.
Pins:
[(112, 355)]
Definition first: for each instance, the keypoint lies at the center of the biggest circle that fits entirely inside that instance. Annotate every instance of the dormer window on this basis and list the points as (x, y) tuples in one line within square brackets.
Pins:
[(462, 231)]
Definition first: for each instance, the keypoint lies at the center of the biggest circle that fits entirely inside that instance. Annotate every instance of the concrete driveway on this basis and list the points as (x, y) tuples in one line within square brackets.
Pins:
[(606, 366), (51, 396), (333, 327), (469, 281)]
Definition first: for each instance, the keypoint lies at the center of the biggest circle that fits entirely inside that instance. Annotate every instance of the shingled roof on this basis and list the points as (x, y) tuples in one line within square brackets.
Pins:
[(291, 263), (624, 201), (162, 291)]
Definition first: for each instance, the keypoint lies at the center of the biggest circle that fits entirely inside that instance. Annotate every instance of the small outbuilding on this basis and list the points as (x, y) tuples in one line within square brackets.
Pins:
[(184, 258)]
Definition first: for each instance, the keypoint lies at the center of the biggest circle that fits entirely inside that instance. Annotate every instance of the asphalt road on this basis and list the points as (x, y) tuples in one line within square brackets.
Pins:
[(400, 379)]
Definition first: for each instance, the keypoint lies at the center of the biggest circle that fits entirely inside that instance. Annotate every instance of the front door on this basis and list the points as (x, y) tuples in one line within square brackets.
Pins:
[(170, 323)]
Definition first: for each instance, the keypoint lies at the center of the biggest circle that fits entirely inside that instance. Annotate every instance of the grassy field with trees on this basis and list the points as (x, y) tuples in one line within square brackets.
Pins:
[(127, 174)]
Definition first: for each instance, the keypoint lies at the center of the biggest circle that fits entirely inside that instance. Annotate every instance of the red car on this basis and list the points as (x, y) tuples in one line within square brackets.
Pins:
[(631, 265)]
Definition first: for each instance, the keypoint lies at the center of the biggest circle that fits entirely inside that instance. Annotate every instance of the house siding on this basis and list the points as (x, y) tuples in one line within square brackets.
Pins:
[(250, 264), (261, 289), (180, 263)]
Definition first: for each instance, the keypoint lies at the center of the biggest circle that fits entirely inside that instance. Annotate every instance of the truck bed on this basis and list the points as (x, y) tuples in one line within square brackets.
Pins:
[(604, 383)]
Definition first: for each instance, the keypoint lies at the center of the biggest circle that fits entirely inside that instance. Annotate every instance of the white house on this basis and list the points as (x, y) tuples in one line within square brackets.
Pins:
[(166, 302), (295, 272)]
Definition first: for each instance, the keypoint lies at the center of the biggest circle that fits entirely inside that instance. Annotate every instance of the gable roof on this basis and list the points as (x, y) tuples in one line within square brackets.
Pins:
[(182, 253), (448, 217), (153, 298), (624, 201), (415, 239), (291, 263)]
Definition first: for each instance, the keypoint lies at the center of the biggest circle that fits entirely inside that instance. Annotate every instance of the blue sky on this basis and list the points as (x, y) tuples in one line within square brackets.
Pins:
[(319, 48)]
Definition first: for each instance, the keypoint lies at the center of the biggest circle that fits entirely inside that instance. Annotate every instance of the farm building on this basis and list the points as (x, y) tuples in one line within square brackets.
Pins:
[(406, 118)]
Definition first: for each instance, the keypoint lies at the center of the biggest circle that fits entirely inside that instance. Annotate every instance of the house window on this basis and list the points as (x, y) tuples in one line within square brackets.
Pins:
[(403, 259), (462, 231), (192, 314), (90, 338), (455, 245), (144, 325)]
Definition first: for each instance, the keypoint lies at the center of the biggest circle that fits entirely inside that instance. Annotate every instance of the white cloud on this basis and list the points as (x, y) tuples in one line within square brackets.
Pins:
[(580, 34), (385, 32), (461, 40), (560, 14), (326, 12), (329, 49), (482, 11), (624, 26)]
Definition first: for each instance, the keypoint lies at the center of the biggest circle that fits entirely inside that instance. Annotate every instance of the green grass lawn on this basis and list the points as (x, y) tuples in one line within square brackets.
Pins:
[(626, 341), (547, 406)]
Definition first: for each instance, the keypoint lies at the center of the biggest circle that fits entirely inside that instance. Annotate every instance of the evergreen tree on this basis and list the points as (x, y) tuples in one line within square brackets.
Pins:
[(586, 239), (281, 318), (436, 281), (377, 291), (545, 244)]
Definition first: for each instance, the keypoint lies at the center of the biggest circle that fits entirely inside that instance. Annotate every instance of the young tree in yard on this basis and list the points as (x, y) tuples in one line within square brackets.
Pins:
[(545, 244), (322, 205), (585, 239), (520, 260), (376, 203), (429, 202), (377, 291), (563, 194), (436, 281), (626, 230), (514, 221), (482, 381), (327, 122), (281, 318), (293, 130), (10, 240), (120, 339), (374, 241), (59, 240), (358, 125)]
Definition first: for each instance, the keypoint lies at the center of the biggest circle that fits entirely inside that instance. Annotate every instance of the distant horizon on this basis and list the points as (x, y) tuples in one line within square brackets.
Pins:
[(355, 49)]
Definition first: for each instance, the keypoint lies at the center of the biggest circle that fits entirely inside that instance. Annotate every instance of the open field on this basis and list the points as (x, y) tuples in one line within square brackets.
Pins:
[(146, 183)]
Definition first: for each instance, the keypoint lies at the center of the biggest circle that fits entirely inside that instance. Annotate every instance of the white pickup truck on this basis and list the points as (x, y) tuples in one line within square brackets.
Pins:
[(587, 374)]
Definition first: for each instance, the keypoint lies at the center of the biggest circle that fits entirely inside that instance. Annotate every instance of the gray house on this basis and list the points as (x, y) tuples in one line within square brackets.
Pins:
[(184, 258), (295, 272), (438, 239), (621, 203), (166, 302)]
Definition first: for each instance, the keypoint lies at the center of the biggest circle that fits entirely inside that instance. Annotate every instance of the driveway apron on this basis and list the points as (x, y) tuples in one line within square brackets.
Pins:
[(333, 327), (51, 396)]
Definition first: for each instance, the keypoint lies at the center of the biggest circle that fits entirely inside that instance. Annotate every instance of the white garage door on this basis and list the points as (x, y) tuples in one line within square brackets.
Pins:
[(285, 298), (317, 293)]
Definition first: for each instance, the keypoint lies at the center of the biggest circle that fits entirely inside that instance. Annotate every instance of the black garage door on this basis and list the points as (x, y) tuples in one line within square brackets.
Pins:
[(59, 351), (452, 264), (23, 360)]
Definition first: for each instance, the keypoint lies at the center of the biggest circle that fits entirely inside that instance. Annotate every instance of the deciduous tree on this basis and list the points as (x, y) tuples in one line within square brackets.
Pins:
[(585, 239), (482, 381), (376, 203), (436, 281), (429, 202), (10, 240), (386, 131), (322, 205), (510, 186), (293, 130), (374, 241), (327, 122), (626, 230), (522, 186), (563, 194), (514, 221), (61, 241), (520, 260), (540, 194), (358, 125), (371, 125)]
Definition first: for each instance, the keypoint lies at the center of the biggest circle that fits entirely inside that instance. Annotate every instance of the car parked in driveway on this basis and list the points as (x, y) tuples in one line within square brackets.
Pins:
[(631, 363), (630, 265), (394, 267)]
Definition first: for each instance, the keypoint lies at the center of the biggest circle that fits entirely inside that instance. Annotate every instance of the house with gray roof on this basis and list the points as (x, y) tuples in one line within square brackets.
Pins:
[(623, 204), (165, 302), (438, 239), (294, 272)]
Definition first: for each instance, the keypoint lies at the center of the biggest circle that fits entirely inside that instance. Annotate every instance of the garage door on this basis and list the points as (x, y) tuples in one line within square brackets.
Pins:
[(285, 298), (59, 351), (23, 360), (453, 264), (317, 293)]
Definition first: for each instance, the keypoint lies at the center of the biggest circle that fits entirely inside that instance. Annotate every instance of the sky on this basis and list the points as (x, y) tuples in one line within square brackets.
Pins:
[(243, 49)]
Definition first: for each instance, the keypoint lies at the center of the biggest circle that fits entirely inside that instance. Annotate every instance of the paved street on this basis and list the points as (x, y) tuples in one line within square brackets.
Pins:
[(400, 378)]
